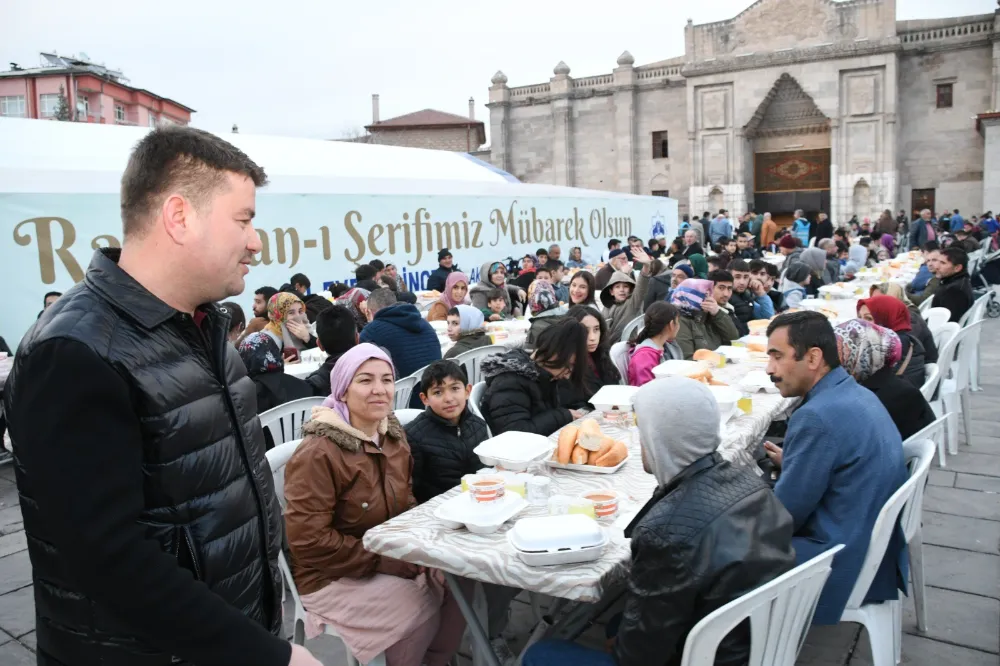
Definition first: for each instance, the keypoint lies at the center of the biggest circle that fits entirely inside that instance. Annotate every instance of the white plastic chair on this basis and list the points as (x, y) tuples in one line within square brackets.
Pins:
[(932, 377), (404, 389), (936, 317), (944, 334), (404, 416), (975, 314), (884, 620), (925, 306), (277, 458), (631, 328), (619, 356), (285, 421), (471, 359), (954, 392), (780, 613), (476, 402)]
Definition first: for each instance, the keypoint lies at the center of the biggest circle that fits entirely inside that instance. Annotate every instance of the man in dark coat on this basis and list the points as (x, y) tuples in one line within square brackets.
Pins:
[(955, 289), (314, 302), (400, 330), (336, 332), (438, 277), (151, 517)]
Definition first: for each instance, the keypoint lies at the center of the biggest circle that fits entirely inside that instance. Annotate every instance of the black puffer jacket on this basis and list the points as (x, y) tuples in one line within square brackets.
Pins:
[(521, 396), (442, 452), (167, 553), (709, 536)]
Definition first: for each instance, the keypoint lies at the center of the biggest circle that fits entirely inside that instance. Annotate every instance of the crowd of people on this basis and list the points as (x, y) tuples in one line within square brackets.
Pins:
[(151, 473)]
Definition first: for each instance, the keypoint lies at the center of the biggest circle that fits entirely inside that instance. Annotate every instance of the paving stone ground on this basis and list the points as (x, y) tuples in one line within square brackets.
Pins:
[(961, 529)]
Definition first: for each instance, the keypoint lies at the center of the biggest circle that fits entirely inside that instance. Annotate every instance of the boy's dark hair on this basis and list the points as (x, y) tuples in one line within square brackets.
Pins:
[(236, 317), (300, 279), (739, 265), (956, 256), (377, 264), (191, 161), (808, 329), (336, 329), (720, 275), (613, 243), (439, 372), (543, 269), (553, 265), (454, 312), (757, 265), (771, 269), (495, 295), (57, 294), (931, 245), (541, 252), (364, 272)]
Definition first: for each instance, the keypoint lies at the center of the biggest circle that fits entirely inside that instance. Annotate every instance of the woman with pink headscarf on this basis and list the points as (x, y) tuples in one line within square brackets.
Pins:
[(456, 292), (351, 473)]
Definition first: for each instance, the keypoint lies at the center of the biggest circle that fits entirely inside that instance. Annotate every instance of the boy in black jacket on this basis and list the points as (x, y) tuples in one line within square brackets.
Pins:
[(336, 332), (443, 437)]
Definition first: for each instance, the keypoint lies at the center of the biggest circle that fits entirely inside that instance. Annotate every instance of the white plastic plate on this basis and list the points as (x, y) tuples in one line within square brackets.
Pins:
[(677, 367), (592, 469), (614, 397), (460, 511)]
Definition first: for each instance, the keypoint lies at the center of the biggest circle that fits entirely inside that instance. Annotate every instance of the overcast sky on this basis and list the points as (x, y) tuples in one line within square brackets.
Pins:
[(279, 68)]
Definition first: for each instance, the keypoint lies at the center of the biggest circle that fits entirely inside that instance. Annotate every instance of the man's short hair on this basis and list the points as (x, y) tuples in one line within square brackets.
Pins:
[(183, 159), (380, 298), (439, 372), (738, 265), (266, 292), (336, 329), (377, 264), (57, 294), (553, 265), (365, 272), (932, 245), (543, 269), (956, 256), (808, 329), (495, 295), (300, 279), (614, 242), (757, 265), (720, 275)]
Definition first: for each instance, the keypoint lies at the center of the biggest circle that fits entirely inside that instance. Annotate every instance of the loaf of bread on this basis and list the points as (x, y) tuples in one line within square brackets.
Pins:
[(712, 357), (614, 455), (567, 441), (579, 456), (606, 444), (590, 435)]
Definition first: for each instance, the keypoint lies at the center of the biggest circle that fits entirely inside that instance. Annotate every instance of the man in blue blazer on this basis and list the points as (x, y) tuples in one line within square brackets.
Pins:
[(842, 460)]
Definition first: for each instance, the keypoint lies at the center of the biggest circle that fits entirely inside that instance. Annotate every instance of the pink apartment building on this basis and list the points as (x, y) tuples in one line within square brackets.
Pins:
[(94, 94)]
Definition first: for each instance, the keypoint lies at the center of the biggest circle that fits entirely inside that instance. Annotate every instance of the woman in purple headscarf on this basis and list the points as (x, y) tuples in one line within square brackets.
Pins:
[(351, 473)]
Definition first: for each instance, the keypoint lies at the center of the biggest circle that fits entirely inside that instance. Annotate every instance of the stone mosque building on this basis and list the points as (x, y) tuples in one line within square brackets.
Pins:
[(823, 105)]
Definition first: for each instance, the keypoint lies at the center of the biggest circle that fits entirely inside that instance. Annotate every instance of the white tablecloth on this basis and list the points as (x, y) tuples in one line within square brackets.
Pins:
[(417, 537)]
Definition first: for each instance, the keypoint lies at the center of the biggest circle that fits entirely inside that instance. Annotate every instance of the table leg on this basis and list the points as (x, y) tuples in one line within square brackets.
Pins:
[(482, 651)]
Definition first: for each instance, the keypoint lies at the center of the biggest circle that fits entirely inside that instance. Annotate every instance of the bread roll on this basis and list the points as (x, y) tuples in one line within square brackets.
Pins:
[(579, 456), (567, 440), (707, 355), (757, 347), (606, 444), (590, 435), (617, 453)]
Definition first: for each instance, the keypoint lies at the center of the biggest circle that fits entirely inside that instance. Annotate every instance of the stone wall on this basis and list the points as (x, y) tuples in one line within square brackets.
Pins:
[(593, 163), (940, 148), (446, 138), (529, 143), (663, 109)]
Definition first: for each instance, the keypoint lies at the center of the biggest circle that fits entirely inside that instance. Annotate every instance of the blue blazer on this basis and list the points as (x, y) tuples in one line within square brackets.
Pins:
[(842, 459)]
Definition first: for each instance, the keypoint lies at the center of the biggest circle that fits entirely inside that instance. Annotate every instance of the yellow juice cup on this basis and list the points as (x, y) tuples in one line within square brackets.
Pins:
[(583, 507), (745, 404)]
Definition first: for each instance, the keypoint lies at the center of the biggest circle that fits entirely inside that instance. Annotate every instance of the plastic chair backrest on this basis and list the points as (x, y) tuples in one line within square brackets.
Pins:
[(925, 306), (631, 328), (889, 516), (976, 313), (285, 421), (277, 458), (932, 376), (918, 454), (404, 416), (936, 318), (404, 389), (471, 359), (965, 340), (942, 336), (780, 613), (619, 356), (476, 402)]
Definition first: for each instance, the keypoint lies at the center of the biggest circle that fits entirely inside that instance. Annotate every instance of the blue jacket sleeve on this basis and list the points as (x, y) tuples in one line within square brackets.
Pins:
[(808, 461), (763, 307)]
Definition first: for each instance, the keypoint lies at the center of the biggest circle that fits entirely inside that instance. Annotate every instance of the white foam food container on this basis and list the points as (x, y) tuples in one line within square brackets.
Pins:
[(757, 380), (514, 451), (675, 367), (614, 397), (734, 354), (439, 326), (726, 397), (461, 511), (564, 539), (593, 469)]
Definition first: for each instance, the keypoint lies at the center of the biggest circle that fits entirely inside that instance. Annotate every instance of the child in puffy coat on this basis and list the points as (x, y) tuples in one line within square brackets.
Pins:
[(655, 342)]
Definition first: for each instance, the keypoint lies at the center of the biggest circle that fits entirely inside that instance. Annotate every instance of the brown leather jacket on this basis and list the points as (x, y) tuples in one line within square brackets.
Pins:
[(338, 485)]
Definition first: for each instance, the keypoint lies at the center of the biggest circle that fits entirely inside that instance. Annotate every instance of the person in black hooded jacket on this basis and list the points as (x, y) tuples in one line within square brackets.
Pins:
[(521, 389), (336, 332), (443, 437)]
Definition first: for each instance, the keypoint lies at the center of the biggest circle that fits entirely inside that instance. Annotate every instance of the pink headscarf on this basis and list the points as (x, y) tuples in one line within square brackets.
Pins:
[(454, 278), (344, 370)]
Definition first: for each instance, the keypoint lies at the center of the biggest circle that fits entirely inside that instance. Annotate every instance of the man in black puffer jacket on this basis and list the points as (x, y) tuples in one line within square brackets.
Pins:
[(442, 438), (711, 533), (152, 523)]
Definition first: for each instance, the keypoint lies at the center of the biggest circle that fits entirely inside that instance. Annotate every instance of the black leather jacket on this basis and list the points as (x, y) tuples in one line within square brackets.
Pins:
[(712, 534), (206, 506)]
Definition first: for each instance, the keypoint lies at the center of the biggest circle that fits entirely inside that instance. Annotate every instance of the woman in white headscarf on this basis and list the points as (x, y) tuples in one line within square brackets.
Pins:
[(735, 535)]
